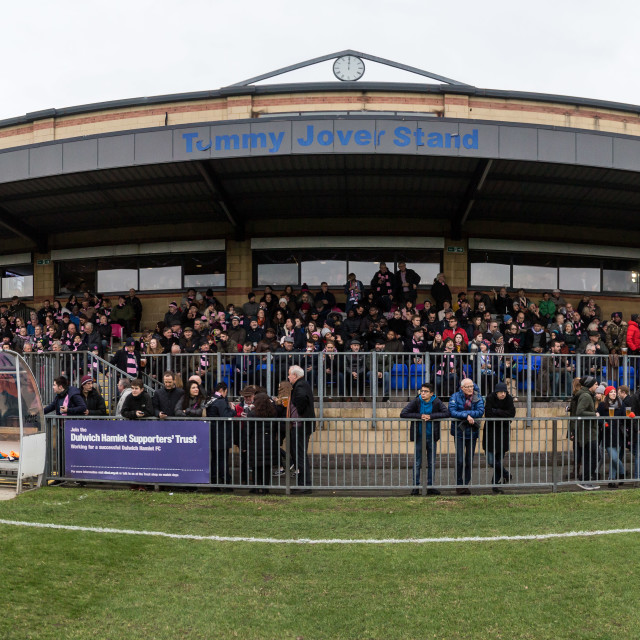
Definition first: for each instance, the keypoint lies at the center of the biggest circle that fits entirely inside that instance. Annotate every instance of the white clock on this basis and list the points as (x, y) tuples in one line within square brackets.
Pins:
[(348, 68)]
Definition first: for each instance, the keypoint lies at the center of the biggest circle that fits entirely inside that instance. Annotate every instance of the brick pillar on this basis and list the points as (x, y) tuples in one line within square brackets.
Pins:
[(239, 271), (455, 266), (43, 286)]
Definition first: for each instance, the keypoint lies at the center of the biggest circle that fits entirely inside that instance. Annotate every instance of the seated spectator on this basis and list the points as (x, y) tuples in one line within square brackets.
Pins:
[(92, 398), (453, 329), (137, 404), (535, 339), (325, 296), (593, 339), (166, 397), (191, 297), (92, 339)]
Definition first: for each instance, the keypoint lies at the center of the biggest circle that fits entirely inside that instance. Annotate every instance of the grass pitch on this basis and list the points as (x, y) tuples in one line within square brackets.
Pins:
[(80, 585)]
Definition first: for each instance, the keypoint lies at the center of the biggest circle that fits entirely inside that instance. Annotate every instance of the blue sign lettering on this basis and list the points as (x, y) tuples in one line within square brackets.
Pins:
[(272, 141)]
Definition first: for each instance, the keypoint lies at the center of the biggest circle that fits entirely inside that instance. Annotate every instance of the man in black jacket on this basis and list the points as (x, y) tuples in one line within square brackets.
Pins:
[(137, 404), (166, 398), (425, 411), (301, 406), (220, 407), (127, 359), (68, 400), (406, 281)]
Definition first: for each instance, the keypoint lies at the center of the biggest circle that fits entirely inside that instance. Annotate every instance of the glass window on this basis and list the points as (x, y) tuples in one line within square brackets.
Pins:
[(333, 272), (490, 269), (112, 280), (76, 276), (159, 278), (275, 268), (579, 279), (204, 270), (534, 277), (426, 270), (278, 274), (17, 281), (623, 281)]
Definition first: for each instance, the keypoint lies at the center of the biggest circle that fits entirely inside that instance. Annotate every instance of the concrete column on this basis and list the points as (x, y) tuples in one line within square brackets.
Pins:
[(43, 274), (455, 266), (239, 271)]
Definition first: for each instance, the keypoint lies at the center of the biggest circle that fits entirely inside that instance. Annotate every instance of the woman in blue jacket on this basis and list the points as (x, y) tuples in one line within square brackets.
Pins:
[(466, 406)]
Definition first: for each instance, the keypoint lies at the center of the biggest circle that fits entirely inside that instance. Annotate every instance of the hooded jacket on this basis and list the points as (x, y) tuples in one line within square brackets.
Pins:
[(459, 412)]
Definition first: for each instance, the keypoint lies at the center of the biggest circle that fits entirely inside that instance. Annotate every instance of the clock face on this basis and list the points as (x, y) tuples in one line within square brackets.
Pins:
[(348, 68)]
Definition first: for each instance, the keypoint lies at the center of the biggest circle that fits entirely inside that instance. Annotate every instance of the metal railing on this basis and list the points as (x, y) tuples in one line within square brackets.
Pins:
[(73, 365), (373, 377), (348, 454)]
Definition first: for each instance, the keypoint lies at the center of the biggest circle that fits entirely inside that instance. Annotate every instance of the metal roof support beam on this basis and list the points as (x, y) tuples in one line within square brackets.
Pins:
[(12, 224), (221, 198), (473, 191)]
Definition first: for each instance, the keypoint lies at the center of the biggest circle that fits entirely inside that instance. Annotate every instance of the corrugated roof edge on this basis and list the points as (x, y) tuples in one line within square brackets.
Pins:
[(322, 86)]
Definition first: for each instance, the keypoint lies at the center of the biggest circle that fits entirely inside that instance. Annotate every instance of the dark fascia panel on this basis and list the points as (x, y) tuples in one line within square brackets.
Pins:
[(323, 86)]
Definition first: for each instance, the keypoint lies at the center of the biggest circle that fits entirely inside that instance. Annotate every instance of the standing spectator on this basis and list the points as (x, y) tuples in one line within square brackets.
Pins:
[(92, 398), (191, 405), (535, 339), (166, 398), (502, 302), (440, 291), (136, 304), (264, 445), (633, 335), (301, 406), (466, 406), (250, 308), (407, 281), (123, 314), (220, 407), (585, 431), (127, 359), (632, 428), (616, 332), (383, 287), (68, 400), (497, 433), (137, 403), (547, 308), (425, 411), (612, 432)]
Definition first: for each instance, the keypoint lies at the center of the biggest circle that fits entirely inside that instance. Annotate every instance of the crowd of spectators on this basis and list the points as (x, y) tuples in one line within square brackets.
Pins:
[(383, 316)]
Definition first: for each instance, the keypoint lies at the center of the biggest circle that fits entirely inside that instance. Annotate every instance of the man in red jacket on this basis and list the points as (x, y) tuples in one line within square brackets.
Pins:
[(633, 334), (453, 329)]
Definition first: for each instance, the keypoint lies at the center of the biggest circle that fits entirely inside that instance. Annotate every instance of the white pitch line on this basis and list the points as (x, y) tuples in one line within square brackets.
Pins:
[(186, 536)]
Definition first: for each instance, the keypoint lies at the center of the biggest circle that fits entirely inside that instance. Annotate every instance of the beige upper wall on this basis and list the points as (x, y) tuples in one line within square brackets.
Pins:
[(244, 107)]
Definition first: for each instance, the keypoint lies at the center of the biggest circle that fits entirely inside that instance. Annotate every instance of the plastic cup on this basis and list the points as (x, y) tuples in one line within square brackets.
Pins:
[(611, 412)]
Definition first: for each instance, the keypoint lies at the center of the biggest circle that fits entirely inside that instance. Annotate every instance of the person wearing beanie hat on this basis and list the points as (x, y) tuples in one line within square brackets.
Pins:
[(497, 432), (633, 335), (94, 401), (616, 332), (585, 431)]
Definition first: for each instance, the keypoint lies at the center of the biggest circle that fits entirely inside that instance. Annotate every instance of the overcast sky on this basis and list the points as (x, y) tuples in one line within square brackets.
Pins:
[(66, 53)]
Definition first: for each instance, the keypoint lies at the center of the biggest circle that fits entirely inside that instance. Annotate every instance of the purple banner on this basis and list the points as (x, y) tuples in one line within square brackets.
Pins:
[(137, 451)]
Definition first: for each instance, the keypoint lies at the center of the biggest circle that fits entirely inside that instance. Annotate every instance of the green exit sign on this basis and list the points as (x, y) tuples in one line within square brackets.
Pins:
[(43, 262), (455, 249)]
